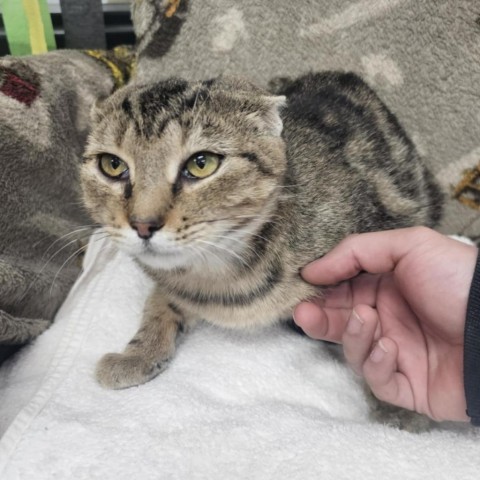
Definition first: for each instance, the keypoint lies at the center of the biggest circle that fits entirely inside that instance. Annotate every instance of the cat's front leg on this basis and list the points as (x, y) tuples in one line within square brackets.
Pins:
[(149, 351)]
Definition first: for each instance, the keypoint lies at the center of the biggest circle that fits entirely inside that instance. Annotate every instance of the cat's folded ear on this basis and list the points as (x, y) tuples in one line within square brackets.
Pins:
[(96, 112), (99, 109), (270, 113), (259, 105)]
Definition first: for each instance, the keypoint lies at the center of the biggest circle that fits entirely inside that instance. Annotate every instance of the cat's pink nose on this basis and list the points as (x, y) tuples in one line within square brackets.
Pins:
[(145, 229)]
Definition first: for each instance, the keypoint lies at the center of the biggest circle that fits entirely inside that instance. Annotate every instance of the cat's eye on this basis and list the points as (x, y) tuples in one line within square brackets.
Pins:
[(201, 165), (112, 166)]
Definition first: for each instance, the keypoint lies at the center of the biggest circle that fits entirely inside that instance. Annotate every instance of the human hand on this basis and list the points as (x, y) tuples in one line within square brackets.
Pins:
[(400, 314)]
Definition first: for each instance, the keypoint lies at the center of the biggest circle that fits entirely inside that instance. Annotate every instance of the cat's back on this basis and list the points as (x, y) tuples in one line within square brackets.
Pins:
[(353, 163)]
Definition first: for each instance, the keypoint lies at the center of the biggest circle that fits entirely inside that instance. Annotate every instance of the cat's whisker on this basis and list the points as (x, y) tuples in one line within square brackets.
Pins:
[(105, 235), (207, 261), (74, 254), (230, 252), (240, 242), (198, 252), (192, 239), (45, 237), (205, 258), (203, 253), (37, 276), (191, 231), (83, 238), (233, 217), (113, 232), (249, 247), (81, 229), (40, 240)]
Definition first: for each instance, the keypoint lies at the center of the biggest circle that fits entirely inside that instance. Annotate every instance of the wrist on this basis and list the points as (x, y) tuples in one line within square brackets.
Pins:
[(471, 356)]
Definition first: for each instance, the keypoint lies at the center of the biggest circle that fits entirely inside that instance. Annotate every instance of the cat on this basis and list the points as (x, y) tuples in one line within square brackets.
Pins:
[(222, 191)]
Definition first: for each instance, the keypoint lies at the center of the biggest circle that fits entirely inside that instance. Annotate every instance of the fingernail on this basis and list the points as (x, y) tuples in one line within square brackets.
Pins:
[(355, 324), (378, 352)]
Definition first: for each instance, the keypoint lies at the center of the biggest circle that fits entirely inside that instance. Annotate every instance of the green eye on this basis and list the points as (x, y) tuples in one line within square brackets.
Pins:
[(112, 166), (201, 165)]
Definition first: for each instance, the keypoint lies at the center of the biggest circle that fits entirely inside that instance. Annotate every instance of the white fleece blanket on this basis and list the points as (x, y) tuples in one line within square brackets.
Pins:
[(266, 405)]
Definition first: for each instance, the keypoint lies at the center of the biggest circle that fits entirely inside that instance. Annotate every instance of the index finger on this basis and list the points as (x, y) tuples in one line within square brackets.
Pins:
[(377, 252)]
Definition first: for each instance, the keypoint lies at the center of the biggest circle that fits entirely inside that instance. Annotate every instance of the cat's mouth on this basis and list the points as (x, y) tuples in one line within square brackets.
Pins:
[(164, 258), (162, 251), (149, 249), (156, 252)]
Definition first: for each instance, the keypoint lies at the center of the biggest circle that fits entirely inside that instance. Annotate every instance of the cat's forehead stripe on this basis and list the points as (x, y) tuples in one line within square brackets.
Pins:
[(152, 108), (158, 105), (127, 108), (162, 93), (175, 134)]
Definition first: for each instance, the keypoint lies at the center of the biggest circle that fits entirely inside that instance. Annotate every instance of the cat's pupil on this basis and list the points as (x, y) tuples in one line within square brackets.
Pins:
[(115, 162), (201, 161)]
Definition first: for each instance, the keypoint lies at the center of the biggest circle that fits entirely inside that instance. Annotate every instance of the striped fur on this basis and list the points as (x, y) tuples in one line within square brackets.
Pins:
[(232, 244)]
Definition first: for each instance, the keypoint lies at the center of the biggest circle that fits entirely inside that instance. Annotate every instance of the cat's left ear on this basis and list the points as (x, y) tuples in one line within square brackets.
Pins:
[(271, 114), (96, 111)]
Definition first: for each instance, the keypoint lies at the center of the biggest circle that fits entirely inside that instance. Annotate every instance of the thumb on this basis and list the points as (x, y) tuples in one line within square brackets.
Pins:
[(377, 252)]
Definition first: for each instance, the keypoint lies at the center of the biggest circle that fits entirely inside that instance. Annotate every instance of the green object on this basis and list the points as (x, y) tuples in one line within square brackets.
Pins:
[(16, 27), (28, 26), (47, 25)]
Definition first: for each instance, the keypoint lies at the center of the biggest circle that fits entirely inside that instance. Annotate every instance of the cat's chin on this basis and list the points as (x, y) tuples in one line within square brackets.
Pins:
[(167, 260), (157, 254)]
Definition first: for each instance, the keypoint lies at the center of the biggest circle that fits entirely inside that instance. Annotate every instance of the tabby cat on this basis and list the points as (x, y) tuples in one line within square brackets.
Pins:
[(221, 191)]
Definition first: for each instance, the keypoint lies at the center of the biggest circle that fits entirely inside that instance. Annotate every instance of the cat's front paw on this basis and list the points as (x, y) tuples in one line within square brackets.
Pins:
[(118, 370)]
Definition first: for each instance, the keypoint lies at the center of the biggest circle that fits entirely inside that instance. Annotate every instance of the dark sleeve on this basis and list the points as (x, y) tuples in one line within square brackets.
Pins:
[(471, 355)]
